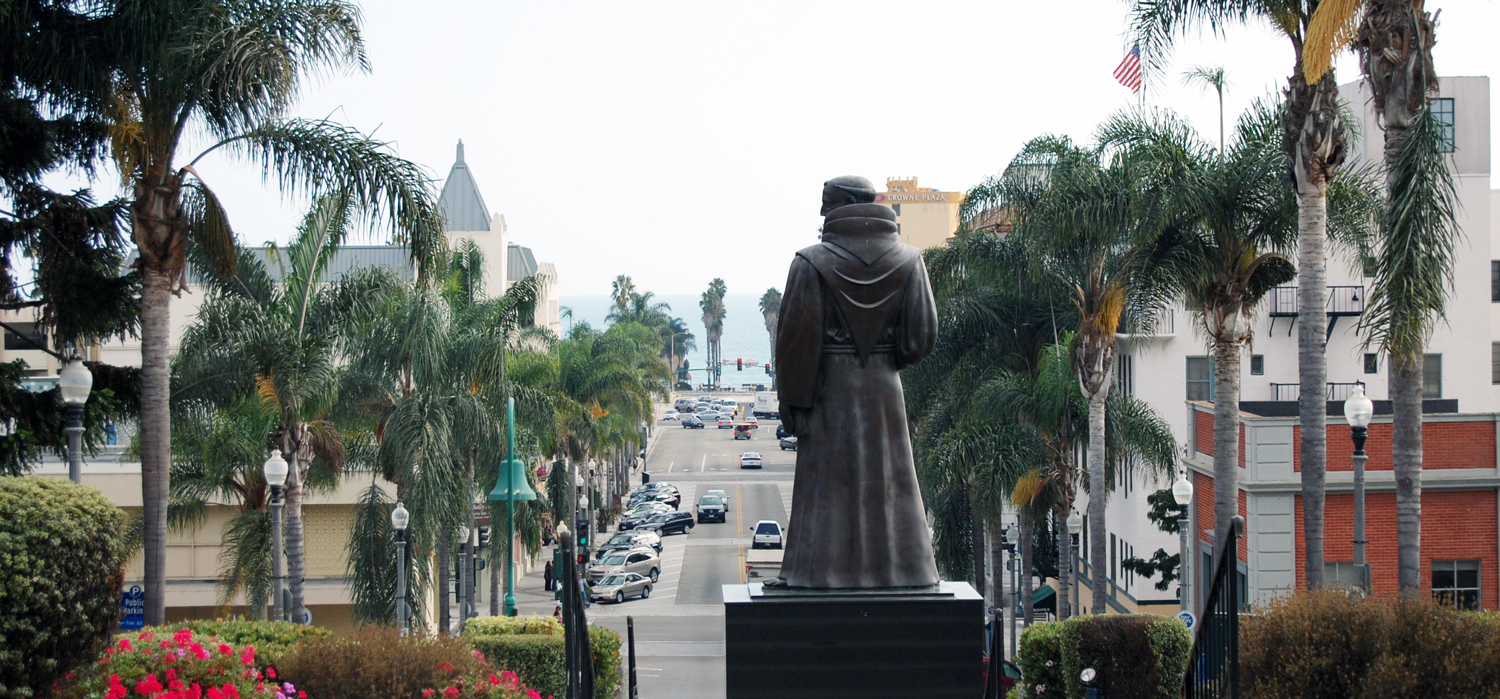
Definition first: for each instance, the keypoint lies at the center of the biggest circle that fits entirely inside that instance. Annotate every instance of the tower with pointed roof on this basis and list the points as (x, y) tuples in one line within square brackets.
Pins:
[(467, 217)]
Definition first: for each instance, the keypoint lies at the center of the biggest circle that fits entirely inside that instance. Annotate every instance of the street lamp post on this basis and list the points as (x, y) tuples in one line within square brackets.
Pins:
[(275, 470), (1075, 523), (1358, 409), (463, 577), (1010, 603), (400, 518), (75, 381), (513, 478), (1182, 493)]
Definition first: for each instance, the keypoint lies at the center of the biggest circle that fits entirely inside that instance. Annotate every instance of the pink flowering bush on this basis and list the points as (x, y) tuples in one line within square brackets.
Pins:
[(166, 664)]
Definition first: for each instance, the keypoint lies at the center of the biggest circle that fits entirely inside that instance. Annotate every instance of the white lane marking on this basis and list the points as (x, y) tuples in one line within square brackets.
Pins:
[(669, 466), (704, 465)]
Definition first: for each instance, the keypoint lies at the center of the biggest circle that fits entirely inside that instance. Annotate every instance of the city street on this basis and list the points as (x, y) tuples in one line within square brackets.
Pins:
[(679, 631)]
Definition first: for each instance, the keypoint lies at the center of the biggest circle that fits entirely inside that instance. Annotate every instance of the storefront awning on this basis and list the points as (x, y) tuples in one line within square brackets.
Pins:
[(1044, 598)]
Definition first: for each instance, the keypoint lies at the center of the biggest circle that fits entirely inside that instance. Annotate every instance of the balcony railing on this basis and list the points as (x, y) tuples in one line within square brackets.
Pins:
[(1335, 392), (1343, 301)]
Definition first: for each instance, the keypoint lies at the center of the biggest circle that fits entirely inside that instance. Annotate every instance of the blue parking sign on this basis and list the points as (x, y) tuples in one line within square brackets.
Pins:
[(133, 602)]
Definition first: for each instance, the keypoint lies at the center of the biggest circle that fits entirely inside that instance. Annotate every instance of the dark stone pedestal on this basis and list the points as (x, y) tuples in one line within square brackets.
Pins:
[(865, 644)]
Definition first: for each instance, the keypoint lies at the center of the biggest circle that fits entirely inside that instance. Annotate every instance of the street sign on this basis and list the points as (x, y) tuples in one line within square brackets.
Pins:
[(133, 602), (1187, 618)]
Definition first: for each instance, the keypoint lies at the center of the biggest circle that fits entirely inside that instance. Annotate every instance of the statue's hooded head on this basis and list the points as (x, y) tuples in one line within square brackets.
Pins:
[(846, 190)]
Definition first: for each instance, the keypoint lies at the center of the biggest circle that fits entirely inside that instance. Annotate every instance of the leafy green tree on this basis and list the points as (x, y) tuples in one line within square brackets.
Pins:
[(229, 70)]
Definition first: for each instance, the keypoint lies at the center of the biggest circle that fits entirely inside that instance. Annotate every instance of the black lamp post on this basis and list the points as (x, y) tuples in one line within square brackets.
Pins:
[(400, 518), (1358, 409), (75, 381), (275, 470)]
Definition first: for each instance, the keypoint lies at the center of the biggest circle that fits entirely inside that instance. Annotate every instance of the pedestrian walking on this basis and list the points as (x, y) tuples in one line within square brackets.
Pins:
[(557, 613), (547, 577)]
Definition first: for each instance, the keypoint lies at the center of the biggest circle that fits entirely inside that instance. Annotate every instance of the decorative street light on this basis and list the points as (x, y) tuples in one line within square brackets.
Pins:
[(515, 487), (1075, 524), (1182, 493), (400, 518), (275, 470), (1007, 542), (1358, 410), (75, 381)]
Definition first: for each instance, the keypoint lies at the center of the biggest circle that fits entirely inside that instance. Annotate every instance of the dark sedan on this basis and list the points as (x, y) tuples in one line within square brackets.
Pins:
[(691, 422), (668, 523)]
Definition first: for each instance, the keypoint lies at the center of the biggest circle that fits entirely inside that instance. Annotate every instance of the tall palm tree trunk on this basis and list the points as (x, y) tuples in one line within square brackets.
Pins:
[(1028, 562), (976, 539), (445, 572), (1065, 558), (997, 575), (1226, 435), (1098, 493), (1406, 453), (155, 435), (1314, 141), (296, 559)]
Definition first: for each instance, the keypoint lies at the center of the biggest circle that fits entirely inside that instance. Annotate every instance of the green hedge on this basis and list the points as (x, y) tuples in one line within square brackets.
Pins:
[(533, 648), (271, 639), (1137, 656), (62, 555)]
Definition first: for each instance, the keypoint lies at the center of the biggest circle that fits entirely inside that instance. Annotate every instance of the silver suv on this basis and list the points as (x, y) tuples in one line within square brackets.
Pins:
[(639, 560)]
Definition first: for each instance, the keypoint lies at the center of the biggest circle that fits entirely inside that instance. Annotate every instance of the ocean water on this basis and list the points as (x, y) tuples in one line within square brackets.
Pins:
[(744, 336)]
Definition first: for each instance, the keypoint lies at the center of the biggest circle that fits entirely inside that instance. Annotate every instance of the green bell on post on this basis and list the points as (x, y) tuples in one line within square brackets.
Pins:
[(518, 477)]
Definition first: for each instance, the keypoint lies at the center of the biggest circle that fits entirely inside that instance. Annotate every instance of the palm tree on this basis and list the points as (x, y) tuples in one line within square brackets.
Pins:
[(770, 309), (1210, 78), (1414, 260), (1233, 219), (282, 341), (680, 343), (620, 292), (712, 305), (1313, 138), (229, 69), (1085, 215)]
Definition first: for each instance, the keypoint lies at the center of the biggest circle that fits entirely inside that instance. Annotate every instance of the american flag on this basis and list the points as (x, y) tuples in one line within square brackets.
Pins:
[(1129, 70)]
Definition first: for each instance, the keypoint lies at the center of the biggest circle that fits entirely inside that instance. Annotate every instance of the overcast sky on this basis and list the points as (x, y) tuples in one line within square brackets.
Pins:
[(681, 141)]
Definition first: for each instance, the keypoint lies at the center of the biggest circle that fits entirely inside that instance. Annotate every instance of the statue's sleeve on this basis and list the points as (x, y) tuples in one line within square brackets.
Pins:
[(799, 335), (917, 333)]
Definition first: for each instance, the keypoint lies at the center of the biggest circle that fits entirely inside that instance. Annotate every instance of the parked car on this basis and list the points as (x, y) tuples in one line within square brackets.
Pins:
[(750, 459), (712, 508), (624, 539), (671, 414), (642, 561), (639, 516), (742, 431), (789, 443), (618, 588), (726, 422), (692, 422), (668, 523), (767, 535), (719, 492)]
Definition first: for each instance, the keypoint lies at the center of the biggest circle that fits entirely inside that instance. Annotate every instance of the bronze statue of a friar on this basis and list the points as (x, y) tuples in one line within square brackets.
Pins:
[(857, 309)]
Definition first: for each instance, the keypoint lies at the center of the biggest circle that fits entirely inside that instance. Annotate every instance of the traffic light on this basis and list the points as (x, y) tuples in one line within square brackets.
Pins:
[(768, 370), (484, 537), (583, 532), (739, 365), (582, 559)]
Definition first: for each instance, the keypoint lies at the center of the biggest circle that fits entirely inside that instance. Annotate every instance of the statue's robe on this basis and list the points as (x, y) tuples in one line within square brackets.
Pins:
[(857, 309)]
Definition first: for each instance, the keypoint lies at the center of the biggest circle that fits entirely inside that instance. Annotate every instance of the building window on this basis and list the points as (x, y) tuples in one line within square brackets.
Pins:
[(1340, 574), (30, 340), (1495, 362), (1114, 550), (1432, 376), (1257, 365), (1200, 379), (1372, 363), (1456, 583), (1442, 108), (1494, 281), (1124, 374)]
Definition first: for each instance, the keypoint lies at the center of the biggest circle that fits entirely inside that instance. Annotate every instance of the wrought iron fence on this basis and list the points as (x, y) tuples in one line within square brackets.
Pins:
[(1342, 301), (1334, 392), (1213, 670)]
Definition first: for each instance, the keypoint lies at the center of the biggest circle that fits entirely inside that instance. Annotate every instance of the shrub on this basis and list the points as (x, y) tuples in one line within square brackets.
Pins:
[(1331, 644), (272, 639), (61, 571), (378, 663), (538, 659), (534, 648), (180, 665), (1137, 656)]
